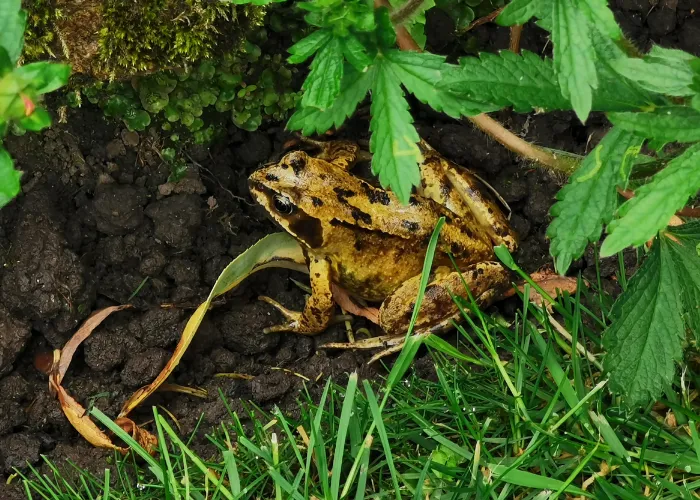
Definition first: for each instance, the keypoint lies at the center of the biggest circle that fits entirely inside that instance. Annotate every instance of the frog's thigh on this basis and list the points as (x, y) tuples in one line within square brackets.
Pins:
[(486, 211), (486, 281), (319, 308), (342, 154)]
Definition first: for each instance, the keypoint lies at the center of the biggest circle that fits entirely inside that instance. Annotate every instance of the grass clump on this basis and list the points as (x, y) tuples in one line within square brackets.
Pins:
[(521, 412)]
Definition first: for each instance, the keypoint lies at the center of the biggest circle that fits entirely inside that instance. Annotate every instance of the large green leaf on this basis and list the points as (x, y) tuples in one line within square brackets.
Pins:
[(394, 138), (44, 77), (665, 123), (590, 198), (322, 85), (12, 23), (641, 217), (9, 178)]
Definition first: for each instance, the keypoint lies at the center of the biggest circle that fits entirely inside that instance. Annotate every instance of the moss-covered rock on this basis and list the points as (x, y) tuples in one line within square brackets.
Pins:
[(121, 38)]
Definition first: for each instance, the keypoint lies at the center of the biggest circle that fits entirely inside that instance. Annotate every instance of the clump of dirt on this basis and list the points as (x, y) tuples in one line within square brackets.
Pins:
[(93, 228)]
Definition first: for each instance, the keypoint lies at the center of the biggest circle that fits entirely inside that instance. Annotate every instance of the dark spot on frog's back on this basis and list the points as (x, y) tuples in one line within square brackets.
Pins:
[(272, 177), (410, 225), (343, 194), (375, 195), (297, 164), (309, 230), (316, 201), (361, 216)]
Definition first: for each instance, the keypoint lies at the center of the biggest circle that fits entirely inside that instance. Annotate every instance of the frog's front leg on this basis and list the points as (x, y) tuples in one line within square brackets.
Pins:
[(486, 282), (318, 311)]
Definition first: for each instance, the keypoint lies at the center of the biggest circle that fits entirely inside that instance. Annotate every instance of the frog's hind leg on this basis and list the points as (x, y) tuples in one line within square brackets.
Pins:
[(342, 154)]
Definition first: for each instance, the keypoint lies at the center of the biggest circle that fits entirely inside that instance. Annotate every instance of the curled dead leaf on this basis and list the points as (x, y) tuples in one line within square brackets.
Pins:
[(552, 283)]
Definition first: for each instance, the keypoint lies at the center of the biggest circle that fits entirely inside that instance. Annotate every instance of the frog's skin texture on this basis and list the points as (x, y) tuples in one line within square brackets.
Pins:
[(363, 239)]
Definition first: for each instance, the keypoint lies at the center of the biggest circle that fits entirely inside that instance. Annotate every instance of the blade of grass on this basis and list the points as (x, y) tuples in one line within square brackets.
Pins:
[(346, 412)]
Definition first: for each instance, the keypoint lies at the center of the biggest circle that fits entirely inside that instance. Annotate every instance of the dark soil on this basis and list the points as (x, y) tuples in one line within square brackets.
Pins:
[(95, 222)]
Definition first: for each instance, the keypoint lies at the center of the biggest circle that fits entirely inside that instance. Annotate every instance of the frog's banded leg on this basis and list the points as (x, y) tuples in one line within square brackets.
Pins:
[(319, 307)]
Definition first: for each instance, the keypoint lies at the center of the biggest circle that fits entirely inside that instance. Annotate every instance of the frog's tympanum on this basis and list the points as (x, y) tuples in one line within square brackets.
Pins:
[(365, 240)]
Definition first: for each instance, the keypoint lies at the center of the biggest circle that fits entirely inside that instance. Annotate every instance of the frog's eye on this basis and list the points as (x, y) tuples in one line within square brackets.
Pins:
[(283, 205)]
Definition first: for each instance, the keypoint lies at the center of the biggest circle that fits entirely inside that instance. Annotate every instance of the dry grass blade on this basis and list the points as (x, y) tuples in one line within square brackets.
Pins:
[(274, 250), (83, 333), (197, 392)]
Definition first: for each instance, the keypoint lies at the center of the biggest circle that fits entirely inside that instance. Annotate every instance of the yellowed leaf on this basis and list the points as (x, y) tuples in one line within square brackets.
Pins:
[(552, 283), (274, 250)]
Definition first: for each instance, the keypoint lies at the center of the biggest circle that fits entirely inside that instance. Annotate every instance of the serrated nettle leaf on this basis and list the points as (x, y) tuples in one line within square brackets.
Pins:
[(590, 198), (386, 35), (645, 338), (44, 77), (665, 77), (665, 123), (353, 90), (422, 73), (322, 85), (523, 81), (671, 54), (599, 14), (394, 141), (574, 57), (683, 244), (695, 102), (653, 205), (356, 53), (308, 46), (521, 11), (12, 23), (9, 178)]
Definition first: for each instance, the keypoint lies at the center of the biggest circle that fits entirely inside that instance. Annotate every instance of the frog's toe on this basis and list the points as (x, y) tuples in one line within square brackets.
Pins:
[(292, 316)]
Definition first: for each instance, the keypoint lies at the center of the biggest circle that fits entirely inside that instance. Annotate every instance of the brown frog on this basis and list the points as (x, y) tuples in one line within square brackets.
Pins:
[(364, 239)]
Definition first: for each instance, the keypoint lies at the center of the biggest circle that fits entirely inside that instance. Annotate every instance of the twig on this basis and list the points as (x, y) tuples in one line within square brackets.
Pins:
[(516, 32), (482, 20), (406, 11), (487, 124)]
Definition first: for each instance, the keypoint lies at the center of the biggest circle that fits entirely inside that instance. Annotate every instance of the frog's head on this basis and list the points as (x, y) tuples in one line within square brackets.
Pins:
[(283, 190)]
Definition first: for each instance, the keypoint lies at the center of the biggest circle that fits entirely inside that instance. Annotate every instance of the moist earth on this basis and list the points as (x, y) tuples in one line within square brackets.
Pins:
[(98, 224)]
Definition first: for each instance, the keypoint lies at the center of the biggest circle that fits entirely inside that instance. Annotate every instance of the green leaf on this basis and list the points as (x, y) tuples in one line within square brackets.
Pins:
[(661, 77), (653, 205), (353, 90), (685, 256), (574, 57), (322, 85), (422, 74), (645, 338), (394, 141), (6, 65), (9, 178), (38, 120), (599, 15), (386, 34), (519, 12), (589, 199), (523, 81), (44, 77), (664, 123), (12, 23), (355, 53), (308, 46)]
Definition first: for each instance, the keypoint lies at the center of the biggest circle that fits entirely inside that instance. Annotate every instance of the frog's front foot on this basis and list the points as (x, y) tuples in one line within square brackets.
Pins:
[(310, 322), (293, 318)]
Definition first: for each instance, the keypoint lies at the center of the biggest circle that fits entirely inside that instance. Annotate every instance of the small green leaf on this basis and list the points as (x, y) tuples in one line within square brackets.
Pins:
[(9, 178), (394, 140), (38, 120), (574, 57), (589, 199), (12, 24), (641, 217), (322, 85), (657, 77), (138, 120), (644, 341), (308, 46), (353, 90), (521, 11), (6, 65), (355, 53), (386, 35), (665, 123)]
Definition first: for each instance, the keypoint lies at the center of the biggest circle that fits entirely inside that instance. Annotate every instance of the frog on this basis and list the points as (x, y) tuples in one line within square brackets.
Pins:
[(360, 238)]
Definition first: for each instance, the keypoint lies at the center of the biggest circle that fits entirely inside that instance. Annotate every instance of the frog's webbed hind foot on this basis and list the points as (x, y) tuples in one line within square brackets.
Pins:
[(389, 344)]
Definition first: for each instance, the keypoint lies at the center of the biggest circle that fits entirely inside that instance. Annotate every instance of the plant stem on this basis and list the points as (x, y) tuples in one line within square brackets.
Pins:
[(406, 11), (490, 126)]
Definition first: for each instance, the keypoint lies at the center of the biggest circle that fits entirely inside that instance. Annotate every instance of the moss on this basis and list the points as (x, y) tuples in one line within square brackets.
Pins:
[(40, 35), (154, 34)]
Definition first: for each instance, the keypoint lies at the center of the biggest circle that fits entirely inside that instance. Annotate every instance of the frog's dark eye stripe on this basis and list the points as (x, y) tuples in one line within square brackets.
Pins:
[(283, 205)]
